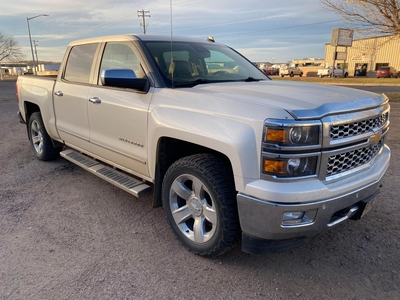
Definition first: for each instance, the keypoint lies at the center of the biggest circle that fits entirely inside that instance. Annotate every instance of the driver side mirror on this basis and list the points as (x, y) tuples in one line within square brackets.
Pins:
[(123, 78)]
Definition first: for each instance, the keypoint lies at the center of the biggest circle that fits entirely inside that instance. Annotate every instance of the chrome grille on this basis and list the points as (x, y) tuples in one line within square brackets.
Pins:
[(356, 128), (349, 160)]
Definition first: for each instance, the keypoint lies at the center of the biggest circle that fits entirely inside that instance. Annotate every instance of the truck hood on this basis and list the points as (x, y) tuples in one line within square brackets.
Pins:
[(301, 100)]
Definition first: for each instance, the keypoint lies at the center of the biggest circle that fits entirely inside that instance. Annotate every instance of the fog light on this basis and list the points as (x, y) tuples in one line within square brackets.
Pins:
[(292, 217), (298, 218)]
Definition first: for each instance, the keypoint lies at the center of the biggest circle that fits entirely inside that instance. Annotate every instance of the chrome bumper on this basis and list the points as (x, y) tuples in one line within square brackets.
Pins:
[(263, 220), (264, 228)]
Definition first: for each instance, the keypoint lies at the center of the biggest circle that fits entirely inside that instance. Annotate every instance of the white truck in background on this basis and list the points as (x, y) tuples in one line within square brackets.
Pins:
[(332, 72), (230, 154), (290, 71)]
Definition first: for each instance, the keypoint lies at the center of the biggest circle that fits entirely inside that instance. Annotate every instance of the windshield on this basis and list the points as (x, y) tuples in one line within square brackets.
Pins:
[(192, 63)]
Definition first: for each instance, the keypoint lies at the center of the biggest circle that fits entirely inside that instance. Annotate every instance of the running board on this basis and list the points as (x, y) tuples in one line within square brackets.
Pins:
[(129, 184)]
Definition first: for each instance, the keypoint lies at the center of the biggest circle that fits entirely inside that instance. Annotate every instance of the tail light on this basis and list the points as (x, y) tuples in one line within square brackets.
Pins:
[(16, 92)]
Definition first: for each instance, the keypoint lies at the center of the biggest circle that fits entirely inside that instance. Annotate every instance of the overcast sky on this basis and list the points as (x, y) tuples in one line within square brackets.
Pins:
[(262, 30)]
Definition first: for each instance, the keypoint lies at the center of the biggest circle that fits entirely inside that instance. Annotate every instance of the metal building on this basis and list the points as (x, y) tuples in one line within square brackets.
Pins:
[(365, 56)]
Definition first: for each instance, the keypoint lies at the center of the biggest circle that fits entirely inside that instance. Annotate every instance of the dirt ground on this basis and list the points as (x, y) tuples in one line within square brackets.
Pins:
[(66, 234)]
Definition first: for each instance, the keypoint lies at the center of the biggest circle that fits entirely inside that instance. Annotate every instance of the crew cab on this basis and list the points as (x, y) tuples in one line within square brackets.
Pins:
[(230, 154)]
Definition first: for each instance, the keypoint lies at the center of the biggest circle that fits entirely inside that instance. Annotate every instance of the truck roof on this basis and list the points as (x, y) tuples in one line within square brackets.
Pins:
[(143, 37)]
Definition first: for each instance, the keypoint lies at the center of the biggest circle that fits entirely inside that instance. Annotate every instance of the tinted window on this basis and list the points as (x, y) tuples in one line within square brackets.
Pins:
[(193, 62), (79, 63), (119, 55)]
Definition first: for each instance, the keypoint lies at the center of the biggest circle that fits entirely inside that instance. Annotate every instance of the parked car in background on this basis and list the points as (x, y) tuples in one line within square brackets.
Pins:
[(271, 71), (332, 72), (387, 72), (290, 71)]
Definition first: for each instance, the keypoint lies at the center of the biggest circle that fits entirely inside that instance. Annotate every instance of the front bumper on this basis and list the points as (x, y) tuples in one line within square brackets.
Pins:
[(262, 223)]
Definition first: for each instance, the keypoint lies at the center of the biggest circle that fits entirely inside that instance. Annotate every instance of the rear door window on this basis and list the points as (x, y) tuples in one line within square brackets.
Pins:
[(79, 64)]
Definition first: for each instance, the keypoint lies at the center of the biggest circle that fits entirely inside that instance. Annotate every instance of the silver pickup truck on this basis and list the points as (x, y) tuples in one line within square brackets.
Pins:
[(230, 154)]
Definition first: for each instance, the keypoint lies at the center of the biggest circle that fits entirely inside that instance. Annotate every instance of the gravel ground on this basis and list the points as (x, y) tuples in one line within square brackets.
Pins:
[(66, 234)]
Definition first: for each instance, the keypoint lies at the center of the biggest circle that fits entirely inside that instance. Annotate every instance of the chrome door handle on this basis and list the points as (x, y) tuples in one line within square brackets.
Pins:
[(95, 100), (59, 94)]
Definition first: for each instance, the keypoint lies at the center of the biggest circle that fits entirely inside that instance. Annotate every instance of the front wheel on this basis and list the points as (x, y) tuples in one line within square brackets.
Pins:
[(199, 200), (40, 140)]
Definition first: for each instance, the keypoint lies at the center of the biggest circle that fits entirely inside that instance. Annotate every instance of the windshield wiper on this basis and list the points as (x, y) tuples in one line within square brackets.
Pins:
[(251, 79), (194, 83), (205, 81)]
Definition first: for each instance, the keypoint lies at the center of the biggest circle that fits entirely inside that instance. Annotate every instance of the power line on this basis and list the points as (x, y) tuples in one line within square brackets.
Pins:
[(249, 20), (279, 28)]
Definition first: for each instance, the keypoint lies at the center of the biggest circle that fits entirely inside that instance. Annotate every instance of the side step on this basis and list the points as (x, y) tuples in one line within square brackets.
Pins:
[(129, 184)]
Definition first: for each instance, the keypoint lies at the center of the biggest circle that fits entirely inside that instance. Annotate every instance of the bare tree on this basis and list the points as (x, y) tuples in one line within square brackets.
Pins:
[(368, 17), (9, 49)]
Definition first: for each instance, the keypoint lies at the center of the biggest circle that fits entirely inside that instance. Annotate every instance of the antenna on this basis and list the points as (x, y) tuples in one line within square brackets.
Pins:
[(172, 55)]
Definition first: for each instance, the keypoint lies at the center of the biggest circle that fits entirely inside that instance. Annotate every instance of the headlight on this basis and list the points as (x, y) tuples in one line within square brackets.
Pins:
[(292, 135), (290, 166), (291, 149)]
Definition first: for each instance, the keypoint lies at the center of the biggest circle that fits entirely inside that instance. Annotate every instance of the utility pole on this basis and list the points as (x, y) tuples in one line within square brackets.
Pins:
[(37, 59), (143, 14)]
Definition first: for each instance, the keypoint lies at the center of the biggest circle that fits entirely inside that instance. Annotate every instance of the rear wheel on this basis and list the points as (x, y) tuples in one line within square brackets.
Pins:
[(40, 140), (199, 200)]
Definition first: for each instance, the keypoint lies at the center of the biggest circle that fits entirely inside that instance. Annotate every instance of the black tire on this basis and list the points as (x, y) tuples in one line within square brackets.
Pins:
[(345, 75), (40, 140), (301, 74), (291, 74), (199, 201)]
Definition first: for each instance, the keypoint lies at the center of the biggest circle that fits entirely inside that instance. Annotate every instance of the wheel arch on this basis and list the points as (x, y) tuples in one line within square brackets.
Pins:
[(31, 108), (170, 150)]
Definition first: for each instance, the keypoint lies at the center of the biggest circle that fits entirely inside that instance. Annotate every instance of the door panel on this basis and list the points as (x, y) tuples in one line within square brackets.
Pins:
[(70, 96), (118, 127), (118, 117), (71, 111)]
